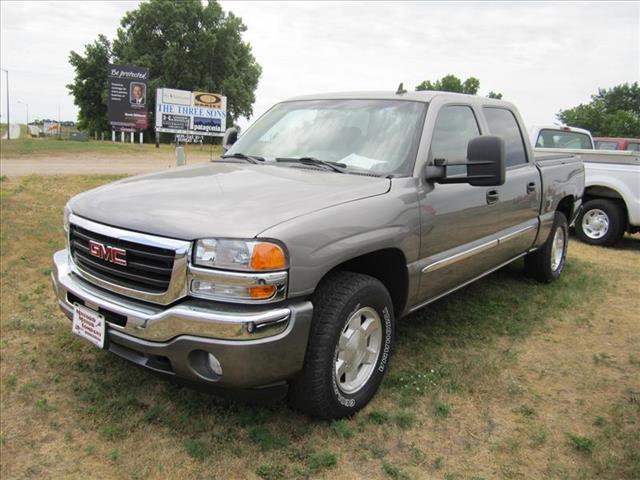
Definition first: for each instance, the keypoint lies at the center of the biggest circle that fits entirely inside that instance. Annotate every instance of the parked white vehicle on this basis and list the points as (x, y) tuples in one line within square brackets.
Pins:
[(560, 136), (611, 201)]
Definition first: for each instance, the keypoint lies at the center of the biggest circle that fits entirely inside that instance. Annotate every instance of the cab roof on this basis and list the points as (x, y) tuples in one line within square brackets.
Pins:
[(423, 96)]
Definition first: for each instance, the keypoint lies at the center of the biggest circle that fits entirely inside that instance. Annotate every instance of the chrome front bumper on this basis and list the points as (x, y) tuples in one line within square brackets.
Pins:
[(253, 345)]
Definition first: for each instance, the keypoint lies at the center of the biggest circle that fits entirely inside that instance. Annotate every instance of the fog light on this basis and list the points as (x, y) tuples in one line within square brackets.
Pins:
[(214, 365), (219, 290), (231, 291)]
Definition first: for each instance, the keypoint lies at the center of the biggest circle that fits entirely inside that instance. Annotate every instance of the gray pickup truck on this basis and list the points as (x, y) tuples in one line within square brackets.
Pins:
[(282, 267)]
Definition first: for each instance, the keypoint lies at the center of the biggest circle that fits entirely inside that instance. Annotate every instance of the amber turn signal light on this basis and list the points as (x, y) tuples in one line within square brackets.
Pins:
[(267, 256), (262, 291)]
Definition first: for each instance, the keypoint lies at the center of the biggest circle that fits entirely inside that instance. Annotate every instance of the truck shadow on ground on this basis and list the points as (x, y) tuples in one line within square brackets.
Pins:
[(432, 351)]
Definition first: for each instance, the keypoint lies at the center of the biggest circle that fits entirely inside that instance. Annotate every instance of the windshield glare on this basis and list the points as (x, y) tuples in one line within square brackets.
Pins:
[(378, 136)]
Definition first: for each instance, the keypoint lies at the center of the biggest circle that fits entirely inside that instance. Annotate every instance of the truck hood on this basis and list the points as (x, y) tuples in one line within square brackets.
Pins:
[(219, 199)]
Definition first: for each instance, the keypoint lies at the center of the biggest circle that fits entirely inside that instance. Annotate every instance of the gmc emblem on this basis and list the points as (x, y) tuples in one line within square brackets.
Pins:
[(107, 253)]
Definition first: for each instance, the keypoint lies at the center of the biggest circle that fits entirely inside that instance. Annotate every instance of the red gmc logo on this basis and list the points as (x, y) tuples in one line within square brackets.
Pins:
[(110, 254)]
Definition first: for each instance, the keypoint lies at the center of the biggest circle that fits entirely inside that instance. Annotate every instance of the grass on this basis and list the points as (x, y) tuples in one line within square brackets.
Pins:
[(483, 383), (581, 444), (394, 472), (196, 448), (271, 472), (322, 460), (441, 409), (25, 147)]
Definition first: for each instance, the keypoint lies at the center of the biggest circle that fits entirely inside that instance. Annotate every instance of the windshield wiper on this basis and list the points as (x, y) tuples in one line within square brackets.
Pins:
[(335, 166), (242, 156)]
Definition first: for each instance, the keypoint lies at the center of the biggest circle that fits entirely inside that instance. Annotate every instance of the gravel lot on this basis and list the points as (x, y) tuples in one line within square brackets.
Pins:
[(95, 163)]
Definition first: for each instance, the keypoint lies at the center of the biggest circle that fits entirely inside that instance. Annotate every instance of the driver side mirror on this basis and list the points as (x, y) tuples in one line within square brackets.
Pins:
[(230, 137), (485, 164)]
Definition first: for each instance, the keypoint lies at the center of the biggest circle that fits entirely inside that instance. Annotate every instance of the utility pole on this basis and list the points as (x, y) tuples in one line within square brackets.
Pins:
[(8, 117), (59, 123)]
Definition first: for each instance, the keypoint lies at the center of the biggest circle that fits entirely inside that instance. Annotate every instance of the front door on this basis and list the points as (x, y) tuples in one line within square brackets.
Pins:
[(458, 221)]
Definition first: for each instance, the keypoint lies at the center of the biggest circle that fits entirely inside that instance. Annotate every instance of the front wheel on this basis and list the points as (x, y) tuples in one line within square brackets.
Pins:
[(349, 346), (546, 263)]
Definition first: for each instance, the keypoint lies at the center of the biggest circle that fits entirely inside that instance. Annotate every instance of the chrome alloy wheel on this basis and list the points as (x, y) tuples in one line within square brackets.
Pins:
[(595, 224), (557, 249), (358, 350)]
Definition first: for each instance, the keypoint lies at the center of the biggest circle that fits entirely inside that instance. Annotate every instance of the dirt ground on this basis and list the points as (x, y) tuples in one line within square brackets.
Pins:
[(504, 379), (98, 163)]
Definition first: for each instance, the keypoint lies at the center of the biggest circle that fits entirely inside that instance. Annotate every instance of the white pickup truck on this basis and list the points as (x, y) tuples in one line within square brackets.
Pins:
[(612, 185)]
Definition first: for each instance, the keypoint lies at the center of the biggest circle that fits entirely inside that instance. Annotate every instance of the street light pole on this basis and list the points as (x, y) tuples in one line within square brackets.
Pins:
[(8, 117)]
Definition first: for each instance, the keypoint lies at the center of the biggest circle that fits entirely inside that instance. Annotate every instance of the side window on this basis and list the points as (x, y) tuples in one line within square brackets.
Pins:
[(503, 124), (455, 126), (634, 147)]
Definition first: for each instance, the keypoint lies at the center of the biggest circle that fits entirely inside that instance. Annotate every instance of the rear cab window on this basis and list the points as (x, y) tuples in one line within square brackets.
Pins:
[(606, 145), (503, 123), (548, 138)]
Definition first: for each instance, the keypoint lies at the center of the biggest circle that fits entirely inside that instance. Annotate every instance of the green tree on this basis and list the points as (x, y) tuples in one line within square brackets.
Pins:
[(451, 83), (89, 88), (185, 45), (613, 112)]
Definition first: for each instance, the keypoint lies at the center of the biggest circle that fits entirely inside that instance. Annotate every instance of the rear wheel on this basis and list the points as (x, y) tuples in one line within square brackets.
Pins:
[(546, 263), (349, 346), (601, 222)]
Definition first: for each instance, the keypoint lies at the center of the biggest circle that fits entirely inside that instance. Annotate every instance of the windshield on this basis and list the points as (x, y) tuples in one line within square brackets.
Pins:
[(563, 139), (378, 136)]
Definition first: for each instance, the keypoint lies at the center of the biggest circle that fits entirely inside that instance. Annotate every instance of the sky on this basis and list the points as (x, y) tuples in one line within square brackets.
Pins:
[(541, 56)]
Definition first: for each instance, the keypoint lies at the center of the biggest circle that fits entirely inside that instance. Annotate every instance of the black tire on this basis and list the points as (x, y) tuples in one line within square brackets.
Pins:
[(317, 391), (540, 264), (615, 218)]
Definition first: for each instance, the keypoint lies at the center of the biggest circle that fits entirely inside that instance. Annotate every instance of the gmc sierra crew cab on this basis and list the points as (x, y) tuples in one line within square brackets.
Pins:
[(283, 267)]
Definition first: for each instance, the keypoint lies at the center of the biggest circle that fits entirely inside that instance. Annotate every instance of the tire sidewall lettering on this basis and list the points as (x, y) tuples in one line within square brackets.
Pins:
[(388, 328), (383, 360)]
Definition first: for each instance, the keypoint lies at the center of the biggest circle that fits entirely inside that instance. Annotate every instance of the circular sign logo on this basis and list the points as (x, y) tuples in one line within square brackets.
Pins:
[(208, 100)]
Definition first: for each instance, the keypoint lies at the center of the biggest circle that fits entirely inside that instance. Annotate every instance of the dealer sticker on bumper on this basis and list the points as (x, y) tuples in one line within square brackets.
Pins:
[(89, 325)]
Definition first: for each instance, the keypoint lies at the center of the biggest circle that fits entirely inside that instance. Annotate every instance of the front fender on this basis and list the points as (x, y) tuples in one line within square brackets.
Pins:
[(322, 240)]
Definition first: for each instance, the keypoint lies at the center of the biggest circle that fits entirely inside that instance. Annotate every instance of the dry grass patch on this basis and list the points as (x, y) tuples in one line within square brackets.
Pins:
[(505, 379)]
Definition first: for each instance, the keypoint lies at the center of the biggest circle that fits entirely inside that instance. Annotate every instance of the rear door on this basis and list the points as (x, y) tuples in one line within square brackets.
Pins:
[(518, 205)]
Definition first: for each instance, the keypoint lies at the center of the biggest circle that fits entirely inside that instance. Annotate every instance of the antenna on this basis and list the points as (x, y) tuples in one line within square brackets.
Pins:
[(401, 89)]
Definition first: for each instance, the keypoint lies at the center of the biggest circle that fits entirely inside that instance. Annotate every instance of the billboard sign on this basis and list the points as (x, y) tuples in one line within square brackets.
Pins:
[(190, 113), (50, 128), (127, 102)]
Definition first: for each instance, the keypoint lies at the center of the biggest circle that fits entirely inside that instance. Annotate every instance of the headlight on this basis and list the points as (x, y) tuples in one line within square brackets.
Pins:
[(65, 217), (244, 271), (247, 255)]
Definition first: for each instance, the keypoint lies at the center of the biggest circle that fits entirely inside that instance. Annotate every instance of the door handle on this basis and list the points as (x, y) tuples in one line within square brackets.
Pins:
[(531, 187), (492, 196)]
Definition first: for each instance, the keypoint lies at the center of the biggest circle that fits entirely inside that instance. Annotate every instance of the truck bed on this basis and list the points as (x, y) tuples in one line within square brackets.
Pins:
[(593, 156)]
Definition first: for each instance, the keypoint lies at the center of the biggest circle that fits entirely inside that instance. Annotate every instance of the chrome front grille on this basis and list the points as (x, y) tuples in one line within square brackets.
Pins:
[(147, 268), (155, 269)]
